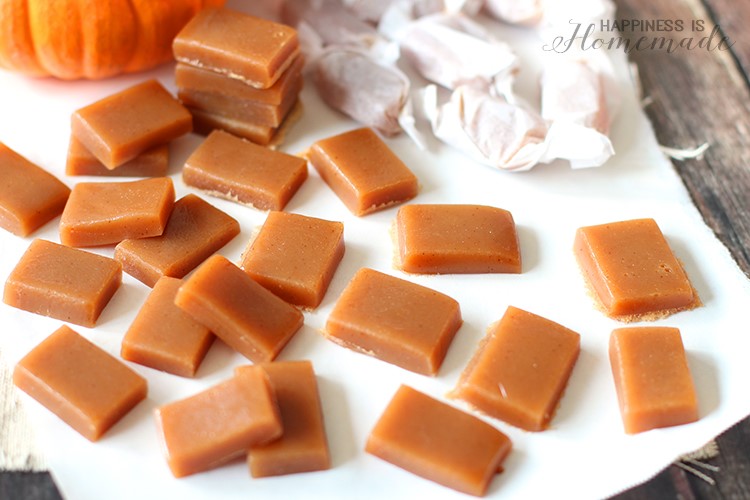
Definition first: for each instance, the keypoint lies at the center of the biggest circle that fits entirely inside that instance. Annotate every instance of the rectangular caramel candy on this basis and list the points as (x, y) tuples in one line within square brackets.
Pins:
[(295, 256), (520, 370), (270, 115), (200, 80), (632, 271), (194, 231), (79, 382), (433, 440), (304, 446), (652, 378), (120, 127), (394, 320), (246, 316), (229, 167), (62, 282), (214, 426), (238, 45), (205, 122), (29, 195), (363, 171), (105, 213), (151, 163), (436, 239), (163, 337)]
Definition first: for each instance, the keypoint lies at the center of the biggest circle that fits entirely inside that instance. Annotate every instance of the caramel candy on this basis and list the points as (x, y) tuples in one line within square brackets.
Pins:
[(151, 163), (201, 80), (163, 337), (304, 446), (438, 442), (632, 271), (246, 316), (232, 168), (295, 257), (120, 127), (206, 122), (103, 213), (220, 423), (62, 282), (269, 115), (194, 231), (456, 239), (520, 370), (237, 45), (363, 171), (29, 196), (652, 378), (394, 320), (80, 383)]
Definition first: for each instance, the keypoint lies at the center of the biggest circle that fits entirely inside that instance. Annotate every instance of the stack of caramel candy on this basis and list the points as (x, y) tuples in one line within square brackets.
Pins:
[(239, 73)]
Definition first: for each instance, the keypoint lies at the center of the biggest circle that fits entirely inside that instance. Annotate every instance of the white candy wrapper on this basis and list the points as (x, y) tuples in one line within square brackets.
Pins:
[(574, 103), (524, 12), (553, 17), (373, 10), (488, 128), (563, 18), (579, 98), (332, 23), (452, 50), (375, 94)]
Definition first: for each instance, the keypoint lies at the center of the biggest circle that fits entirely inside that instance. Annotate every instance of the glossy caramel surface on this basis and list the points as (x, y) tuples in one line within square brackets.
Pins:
[(62, 282), (652, 378), (79, 382)]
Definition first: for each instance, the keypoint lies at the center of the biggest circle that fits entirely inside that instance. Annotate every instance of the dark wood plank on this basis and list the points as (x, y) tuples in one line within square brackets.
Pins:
[(732, 16), (703, 96)]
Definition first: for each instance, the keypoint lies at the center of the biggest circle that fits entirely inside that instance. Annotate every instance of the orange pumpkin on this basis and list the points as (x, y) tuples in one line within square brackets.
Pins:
[(73, 39)]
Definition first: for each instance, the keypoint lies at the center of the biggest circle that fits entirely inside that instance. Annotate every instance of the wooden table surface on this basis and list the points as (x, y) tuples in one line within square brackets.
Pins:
[(697, 96)]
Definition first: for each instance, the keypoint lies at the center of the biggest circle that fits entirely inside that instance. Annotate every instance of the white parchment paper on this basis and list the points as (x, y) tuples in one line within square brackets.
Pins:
[(585, 453)]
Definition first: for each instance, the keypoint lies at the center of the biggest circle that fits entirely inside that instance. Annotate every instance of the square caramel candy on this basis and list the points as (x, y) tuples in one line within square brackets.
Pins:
[(394, 320), (270, 115), (214, 426), (29, 195), (238, 45), (632, 271), (246, 316), (652, 378), (520, 370), (303, 447), (86, 387), (164, 337), (238, 170), (194, 231), (290, 82), (295, 256), (363, 171), (151, 163), (205, 122), (433, 239), (62, 282), (120, 127), (438, 442), (105, 213)]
